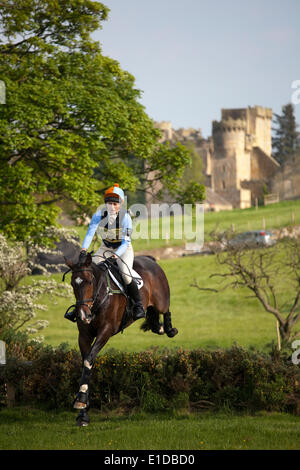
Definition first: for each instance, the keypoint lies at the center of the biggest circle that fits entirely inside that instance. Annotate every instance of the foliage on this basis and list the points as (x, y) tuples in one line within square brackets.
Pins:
[(192, 192), (286, 137), (193, 171), (19, 302), (73, 123), (167, 380)]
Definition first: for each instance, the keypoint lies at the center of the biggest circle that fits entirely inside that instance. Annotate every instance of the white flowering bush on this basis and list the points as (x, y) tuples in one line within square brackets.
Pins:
[(19, 302)]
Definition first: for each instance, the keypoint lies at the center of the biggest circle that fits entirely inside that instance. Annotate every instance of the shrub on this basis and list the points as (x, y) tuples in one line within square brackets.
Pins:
[(153, 381)]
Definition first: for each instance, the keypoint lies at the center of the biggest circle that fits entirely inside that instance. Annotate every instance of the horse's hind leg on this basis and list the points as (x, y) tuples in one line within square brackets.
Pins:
[(169, 330), (152, 321)]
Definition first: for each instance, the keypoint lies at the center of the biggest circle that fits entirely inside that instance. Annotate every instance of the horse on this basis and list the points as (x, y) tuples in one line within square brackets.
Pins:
[(102, 312)]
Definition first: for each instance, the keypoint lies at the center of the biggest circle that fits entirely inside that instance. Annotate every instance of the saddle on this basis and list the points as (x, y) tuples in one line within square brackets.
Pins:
[(115, 275)]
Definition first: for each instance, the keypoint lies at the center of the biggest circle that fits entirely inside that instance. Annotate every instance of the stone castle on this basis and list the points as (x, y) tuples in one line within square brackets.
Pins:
[(237, 161)]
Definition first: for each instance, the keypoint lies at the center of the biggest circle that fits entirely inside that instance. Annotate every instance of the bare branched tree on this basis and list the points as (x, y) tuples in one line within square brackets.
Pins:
[(271, 274)]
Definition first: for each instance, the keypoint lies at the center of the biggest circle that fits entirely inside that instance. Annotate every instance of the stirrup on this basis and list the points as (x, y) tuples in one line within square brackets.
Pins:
[(71, 315)]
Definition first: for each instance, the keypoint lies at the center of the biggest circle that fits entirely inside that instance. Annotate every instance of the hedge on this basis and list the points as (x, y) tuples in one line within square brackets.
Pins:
[(154, 380)]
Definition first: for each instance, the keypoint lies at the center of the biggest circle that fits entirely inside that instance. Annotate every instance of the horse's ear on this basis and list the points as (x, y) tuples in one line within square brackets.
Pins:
[(69, 263), (88, 260)]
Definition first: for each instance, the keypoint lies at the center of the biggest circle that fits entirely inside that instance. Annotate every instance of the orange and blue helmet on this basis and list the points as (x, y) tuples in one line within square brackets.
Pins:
[(114, 194)]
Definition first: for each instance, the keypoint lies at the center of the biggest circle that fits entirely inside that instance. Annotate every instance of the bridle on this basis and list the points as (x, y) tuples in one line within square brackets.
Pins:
[(96, 289), (84, 301)]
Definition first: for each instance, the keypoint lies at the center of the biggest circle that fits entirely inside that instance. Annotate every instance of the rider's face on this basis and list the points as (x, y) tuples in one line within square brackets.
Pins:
[(113, 207)]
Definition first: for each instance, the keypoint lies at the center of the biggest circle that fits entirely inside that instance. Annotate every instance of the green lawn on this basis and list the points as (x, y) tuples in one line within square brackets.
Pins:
[(203, 319), (269, 217), (23, 428)]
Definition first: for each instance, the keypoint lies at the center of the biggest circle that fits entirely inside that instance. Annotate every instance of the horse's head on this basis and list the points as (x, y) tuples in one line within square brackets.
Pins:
[(84, 285)]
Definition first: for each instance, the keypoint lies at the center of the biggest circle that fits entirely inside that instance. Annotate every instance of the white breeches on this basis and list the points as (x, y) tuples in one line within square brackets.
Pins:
[(105, 252)]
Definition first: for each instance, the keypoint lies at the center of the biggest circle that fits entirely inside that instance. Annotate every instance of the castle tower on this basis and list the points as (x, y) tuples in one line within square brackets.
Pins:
[(231, 162), (242, 160)]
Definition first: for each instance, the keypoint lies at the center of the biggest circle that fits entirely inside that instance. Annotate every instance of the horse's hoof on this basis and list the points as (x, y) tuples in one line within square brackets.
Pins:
[(159, 331), (83, 418), (81, 401), (81, 422), (79, 406), (173, 332)]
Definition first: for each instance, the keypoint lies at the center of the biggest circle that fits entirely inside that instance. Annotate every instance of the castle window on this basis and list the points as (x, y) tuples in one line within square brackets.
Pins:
[(223, 184)]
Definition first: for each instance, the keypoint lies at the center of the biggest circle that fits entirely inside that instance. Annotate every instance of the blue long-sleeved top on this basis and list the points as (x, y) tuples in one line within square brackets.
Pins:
[(113, 236)]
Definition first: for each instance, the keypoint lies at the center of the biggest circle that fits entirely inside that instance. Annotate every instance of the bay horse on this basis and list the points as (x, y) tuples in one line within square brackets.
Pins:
[(101, 308)]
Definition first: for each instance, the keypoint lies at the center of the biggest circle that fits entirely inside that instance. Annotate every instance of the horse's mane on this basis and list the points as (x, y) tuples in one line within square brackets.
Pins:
[(103, 266)]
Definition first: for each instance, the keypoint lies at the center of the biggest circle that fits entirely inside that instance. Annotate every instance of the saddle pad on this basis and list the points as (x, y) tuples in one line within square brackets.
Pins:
[(134, 274), (137, 278)]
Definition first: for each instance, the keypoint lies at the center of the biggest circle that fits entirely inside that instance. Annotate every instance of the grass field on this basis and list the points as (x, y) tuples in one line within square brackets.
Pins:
[(269, 217), (32, 429), (204, 319)]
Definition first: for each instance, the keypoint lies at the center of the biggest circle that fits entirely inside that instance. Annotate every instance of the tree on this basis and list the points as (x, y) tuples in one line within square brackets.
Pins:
[(286, 137), (193, 171), (72, 119), (19, 301), (271, 274)]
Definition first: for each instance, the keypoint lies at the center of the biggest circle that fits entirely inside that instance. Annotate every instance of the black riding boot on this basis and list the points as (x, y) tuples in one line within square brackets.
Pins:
[(138, 309), (71, 315)]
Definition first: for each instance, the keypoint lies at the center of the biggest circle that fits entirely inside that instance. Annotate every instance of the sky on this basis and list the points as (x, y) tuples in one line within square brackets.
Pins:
[(192, 58)]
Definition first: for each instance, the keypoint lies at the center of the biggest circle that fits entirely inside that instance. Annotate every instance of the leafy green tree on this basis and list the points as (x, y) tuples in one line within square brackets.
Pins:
[(286, 137), (193, 171), (72, 119)]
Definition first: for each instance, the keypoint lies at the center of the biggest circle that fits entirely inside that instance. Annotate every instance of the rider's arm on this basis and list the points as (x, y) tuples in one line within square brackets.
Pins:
[(126, 235), (91, 230)]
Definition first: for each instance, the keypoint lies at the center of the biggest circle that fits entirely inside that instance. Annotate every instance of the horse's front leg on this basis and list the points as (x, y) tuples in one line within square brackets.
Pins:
[(82, 399)]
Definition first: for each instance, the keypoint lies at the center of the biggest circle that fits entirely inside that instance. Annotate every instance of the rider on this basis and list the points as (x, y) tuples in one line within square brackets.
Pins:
[(115, 227)]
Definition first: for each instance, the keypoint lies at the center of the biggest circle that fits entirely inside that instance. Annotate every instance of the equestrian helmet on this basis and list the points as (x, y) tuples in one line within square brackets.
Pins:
[(114, 194)]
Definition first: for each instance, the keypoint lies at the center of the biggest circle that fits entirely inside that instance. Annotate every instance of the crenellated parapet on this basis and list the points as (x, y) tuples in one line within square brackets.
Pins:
[(229, 125)]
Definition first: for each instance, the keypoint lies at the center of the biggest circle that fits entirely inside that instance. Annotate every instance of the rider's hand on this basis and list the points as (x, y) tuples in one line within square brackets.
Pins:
[(112, 257)]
